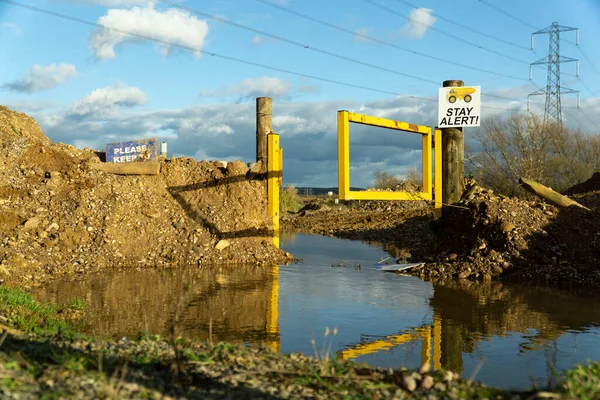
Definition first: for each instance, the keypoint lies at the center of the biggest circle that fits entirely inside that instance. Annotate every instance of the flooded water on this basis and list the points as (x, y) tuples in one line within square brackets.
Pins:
[(509, 336)]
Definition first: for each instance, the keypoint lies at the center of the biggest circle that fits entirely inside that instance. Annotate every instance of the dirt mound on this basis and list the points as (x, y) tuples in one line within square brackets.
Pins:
[(486, 236), (59, 216), (591, 185)]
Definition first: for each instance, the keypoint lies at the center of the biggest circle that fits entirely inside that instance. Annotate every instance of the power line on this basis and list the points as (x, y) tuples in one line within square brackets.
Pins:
[(453, 21), (392, 11), (508, 14), (229, 58), (380, 41), (589, 60), (295, 43)]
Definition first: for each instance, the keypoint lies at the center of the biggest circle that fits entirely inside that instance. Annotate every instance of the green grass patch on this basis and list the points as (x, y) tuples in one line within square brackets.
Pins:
[(26, 314), (583, 381)]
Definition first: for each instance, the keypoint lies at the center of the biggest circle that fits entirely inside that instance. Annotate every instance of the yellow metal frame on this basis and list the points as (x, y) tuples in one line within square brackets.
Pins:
[(274, 180), (344, 120), (431, 353)]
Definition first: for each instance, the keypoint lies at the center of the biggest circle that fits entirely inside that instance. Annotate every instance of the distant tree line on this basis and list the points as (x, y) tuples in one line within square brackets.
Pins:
[(525, 146)]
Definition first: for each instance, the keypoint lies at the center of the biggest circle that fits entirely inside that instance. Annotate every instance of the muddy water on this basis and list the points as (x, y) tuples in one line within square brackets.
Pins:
[(506, 335)]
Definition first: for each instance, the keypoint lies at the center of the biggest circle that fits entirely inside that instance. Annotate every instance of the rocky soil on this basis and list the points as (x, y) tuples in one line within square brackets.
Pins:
[(38, 366), (60, 217), (486, 236)]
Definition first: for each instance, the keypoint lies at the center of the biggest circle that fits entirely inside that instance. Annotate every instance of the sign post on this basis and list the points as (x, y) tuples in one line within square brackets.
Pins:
[(459, 106)]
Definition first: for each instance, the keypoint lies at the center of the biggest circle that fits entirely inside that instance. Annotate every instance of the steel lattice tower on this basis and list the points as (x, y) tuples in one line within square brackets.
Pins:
[(553, 90)]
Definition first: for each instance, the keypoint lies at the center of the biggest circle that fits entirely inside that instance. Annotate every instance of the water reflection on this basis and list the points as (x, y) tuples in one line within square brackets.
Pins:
[(513, 336), (237, 304)]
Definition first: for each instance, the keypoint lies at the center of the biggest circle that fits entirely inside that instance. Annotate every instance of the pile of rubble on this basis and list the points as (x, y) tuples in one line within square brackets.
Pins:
[(59, 216)]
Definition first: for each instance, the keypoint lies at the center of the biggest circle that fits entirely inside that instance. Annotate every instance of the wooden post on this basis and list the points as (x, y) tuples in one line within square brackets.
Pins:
[(264, 126), (453, 158)]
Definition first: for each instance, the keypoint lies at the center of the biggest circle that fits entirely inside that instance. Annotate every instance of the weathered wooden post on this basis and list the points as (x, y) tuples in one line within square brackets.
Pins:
[(264, 119), (453, 158)]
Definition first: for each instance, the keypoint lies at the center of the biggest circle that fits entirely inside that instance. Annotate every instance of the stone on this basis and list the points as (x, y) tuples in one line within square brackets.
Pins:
[(409, 383), (427, 382), (508, 227), (464, 274), (53, 226), (31, 223), (452, 256), (222, 244)]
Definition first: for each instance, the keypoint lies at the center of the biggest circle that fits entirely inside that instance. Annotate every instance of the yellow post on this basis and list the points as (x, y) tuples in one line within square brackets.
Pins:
[(426, 161), (437, 171), (273, 340), (426, 346), (437, 342), (343, 154), (274, 176)]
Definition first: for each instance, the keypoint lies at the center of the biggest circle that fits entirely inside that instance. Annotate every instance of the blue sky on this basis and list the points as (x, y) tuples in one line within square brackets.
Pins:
[(88, 86)]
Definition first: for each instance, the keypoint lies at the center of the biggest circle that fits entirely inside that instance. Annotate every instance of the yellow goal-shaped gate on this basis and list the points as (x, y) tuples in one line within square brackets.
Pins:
[(430, 192)]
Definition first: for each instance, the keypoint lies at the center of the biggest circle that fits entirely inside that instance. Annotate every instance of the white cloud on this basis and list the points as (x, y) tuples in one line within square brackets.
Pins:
[(308, 130), (252, 87), (172, 25), (11, 27), (359, 35), (259, 40), (116, 3), (40, 78), (107, 100), (264, 86), (420, 21)]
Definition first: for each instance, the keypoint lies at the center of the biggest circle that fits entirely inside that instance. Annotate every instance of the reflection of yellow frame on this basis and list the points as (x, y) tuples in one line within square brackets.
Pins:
[(344, 119), (423, 333)]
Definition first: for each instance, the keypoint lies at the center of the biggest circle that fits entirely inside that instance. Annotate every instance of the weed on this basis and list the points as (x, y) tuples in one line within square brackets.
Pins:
[(322, 356), (289, 200), (146, 336), (28, 315), (583, 381), (75, 304), (9, 383)]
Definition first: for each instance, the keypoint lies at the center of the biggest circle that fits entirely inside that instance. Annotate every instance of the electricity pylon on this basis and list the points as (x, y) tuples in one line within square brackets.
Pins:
[(553, 90)]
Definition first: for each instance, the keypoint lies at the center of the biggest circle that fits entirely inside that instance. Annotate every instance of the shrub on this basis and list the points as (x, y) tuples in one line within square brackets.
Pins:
[(289, 200)]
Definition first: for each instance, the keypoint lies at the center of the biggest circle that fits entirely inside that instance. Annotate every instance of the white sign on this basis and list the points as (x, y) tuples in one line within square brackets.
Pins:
[(459, 106)]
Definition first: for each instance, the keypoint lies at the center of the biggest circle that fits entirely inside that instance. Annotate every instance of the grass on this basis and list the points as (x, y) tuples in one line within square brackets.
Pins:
[(24, 313), (583, 381)]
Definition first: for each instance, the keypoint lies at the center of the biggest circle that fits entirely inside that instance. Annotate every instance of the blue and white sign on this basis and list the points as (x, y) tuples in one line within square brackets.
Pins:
[(132, 151)]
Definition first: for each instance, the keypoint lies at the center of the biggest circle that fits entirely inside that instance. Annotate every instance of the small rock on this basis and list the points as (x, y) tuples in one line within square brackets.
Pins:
[(452, 256), (464, 274), (409, 383), (31, 223), (548, 212), (222, 244), (513, 214), (52, 226), (427, 382), (497, 270), (508, 227)]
